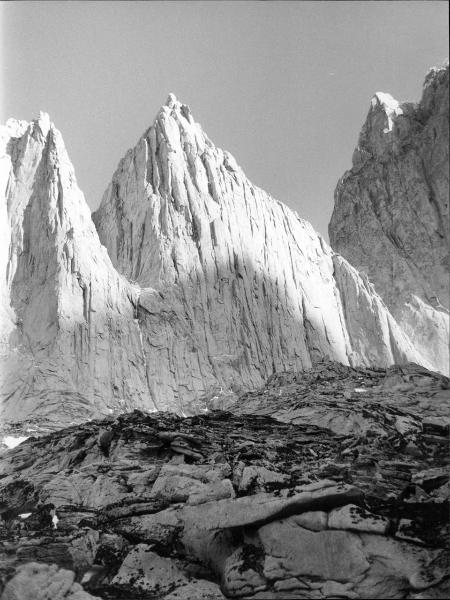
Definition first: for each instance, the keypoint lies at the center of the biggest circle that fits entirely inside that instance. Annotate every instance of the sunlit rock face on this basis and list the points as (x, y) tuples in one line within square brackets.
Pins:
[(70, 347), (391, 212), (204, 283), (240, 286)]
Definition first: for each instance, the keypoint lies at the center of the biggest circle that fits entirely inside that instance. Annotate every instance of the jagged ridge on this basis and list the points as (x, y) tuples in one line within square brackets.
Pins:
[(220, 284)]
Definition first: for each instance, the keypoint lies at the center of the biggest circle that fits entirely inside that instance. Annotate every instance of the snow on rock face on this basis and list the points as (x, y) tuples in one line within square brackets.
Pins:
[(389, 106), (390, 218), (11, 441), (69, 345)]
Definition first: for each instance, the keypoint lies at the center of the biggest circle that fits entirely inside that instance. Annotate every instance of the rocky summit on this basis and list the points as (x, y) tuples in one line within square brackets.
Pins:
[(191, 283), (67, 329), (200, 399), (390, 218)]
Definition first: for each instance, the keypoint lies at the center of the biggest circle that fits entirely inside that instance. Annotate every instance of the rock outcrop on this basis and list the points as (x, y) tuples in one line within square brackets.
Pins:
[(391, 218), (238, 504), (207, 285)]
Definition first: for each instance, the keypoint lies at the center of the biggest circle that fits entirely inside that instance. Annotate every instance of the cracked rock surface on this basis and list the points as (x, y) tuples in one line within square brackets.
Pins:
[(69, 345), (391, 217), (257, 502), (234, 285), (192, 282)]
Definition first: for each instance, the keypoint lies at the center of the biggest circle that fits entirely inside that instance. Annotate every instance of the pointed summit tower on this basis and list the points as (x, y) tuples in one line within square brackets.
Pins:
[(391, 213), (65, 310), (234, 285)]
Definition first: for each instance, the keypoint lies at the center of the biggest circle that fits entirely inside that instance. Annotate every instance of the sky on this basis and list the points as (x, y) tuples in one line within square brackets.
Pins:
[(284, 86)]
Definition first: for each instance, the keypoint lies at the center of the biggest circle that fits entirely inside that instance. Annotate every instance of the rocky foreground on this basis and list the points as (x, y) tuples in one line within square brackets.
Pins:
[(331, 483)]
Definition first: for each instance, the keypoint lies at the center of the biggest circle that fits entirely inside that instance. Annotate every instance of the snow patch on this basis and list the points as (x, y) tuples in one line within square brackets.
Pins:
[(390, 106), (11, 441)]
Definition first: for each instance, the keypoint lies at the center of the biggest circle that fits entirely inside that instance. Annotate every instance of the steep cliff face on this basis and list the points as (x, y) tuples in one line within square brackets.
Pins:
[(210, 285), (240, 285), (391, 212), (70, 344)]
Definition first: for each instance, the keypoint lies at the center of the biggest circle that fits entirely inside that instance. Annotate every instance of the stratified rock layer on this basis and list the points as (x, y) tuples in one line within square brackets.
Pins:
[(391, 212), (243, 505)]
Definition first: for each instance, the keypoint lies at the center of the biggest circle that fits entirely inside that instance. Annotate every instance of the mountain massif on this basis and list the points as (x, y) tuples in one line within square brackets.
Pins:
[(192, 282), (391, 214), (205, 392)]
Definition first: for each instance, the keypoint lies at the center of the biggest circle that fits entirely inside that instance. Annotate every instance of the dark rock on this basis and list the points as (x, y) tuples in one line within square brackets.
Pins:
[(322, 499)]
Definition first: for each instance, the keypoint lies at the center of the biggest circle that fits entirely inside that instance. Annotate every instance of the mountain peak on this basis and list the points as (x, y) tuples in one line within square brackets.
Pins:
[(387, 102), (177, 111), (171, 100), (64, 307), (388, 105), (233, 285), (214, 285), (44, 122), (391, 212)]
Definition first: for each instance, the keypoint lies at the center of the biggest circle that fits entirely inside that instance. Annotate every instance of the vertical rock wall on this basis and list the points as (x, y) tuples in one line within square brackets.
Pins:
[(391, 212), (70, 345), (251, 286), (204, 283)]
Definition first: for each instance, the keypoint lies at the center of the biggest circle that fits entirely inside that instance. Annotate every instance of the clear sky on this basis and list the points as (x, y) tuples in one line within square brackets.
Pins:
[(284, 86)]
